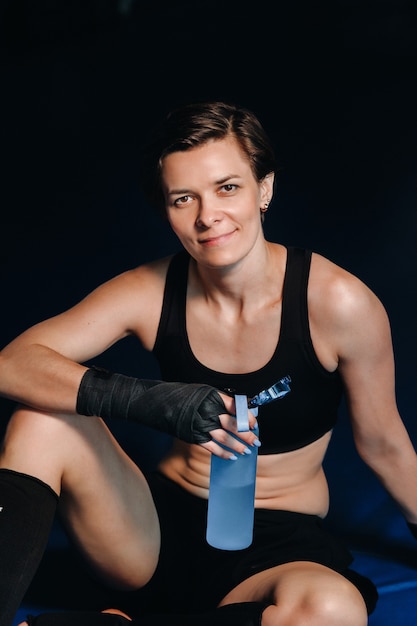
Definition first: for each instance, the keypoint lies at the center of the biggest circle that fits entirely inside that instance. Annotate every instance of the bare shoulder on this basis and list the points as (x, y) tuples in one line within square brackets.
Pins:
[(338, 291), (140, 291), (133, 285), (344, 308), (148, 276), (127, 304)]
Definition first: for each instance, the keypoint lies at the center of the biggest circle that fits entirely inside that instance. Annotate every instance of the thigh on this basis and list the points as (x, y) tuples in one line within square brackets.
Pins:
[(191, 576), (105, 501), (295, 562)]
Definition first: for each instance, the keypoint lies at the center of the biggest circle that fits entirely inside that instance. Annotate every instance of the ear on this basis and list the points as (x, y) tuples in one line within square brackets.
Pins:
[(267, 189)]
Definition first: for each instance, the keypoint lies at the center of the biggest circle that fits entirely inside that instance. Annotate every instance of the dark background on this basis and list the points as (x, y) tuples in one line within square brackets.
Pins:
[(334, 83), (82, 83)]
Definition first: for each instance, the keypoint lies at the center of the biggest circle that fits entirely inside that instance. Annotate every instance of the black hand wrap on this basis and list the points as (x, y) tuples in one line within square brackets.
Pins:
[(413, 529), (187, 411)]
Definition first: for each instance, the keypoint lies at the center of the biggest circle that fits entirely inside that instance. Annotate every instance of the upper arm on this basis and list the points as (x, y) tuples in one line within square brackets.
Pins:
[(366, 361), (359, 328)]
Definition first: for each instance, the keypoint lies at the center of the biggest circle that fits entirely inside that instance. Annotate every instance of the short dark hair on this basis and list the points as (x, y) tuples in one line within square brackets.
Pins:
[(193, 125)]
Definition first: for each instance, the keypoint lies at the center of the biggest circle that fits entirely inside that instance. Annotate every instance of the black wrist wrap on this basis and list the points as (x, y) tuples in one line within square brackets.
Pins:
[(413, 529), (187, 411)]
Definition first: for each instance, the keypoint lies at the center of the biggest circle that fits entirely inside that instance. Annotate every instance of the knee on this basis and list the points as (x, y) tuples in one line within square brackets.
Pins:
[(29, 429), (40, 431), (34, 443), (343, 606), (18, 434)]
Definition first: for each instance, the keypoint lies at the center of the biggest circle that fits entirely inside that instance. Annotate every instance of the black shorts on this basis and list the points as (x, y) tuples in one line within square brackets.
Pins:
[(193, 576)]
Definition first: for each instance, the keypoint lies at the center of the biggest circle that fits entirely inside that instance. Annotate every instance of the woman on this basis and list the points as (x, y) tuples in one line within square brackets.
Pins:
[(235, 312)]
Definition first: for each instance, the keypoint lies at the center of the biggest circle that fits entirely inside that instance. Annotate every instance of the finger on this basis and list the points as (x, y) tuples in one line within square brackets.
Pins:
[(229, 403), (214, 448), (243, 445), (229, 423)]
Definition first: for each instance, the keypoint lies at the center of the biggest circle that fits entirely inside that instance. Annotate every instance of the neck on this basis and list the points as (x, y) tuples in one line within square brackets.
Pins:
[(254, 277)]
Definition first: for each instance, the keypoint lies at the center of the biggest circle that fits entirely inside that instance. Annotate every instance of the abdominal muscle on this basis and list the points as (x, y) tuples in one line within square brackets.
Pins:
[(292, 481)]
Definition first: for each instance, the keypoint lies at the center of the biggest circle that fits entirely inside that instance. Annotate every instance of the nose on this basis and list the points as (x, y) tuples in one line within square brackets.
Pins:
[(208, 214)]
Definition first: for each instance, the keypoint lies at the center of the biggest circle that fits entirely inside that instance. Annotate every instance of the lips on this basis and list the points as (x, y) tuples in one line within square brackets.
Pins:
[(217, 239)]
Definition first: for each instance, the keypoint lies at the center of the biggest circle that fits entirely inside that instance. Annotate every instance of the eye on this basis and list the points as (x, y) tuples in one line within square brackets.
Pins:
[(183, 200), (228, 187)]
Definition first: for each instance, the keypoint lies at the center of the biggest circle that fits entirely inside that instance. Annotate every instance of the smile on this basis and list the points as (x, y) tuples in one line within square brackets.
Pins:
[(218, 240)]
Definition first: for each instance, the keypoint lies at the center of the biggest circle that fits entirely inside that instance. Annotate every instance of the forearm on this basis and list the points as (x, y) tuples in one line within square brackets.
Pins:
[(47, 381), (187, 411), (395, 464), (41, 378)]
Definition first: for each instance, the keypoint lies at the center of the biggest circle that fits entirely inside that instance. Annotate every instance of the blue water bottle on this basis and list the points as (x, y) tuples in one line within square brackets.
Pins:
[(232, 482)]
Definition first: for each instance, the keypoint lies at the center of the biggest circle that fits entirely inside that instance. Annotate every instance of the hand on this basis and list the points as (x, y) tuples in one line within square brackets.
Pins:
[(195, 413), (229, 425)]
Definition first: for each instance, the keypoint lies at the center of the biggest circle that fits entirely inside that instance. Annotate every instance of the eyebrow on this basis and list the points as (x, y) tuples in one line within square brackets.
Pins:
[(176, 192), (223, 180), (220, 181)]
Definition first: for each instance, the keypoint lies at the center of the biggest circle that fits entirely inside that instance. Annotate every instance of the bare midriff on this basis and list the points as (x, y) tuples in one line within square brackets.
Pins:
[(292, 481)]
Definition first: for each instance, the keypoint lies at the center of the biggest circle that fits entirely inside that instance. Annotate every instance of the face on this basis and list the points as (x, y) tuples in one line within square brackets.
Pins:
[(213, 201)]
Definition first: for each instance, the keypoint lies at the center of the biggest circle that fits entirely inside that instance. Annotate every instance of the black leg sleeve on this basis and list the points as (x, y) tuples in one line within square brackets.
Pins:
[(27, 510), (79, 618), (241, 614)]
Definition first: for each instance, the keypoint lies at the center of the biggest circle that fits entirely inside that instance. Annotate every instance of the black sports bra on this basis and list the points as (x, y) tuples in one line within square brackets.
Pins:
[(302, 416)]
